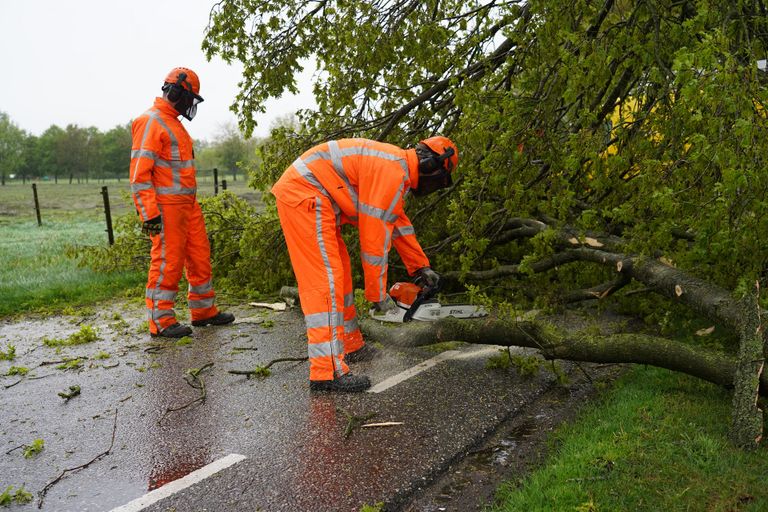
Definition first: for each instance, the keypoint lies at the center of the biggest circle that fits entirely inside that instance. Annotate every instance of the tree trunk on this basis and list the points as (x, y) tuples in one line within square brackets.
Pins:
[(713, 366), (747, 418)]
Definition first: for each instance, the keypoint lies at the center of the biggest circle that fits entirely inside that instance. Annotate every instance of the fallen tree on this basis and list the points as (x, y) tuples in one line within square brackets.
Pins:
[(740, 369), (644, 121)]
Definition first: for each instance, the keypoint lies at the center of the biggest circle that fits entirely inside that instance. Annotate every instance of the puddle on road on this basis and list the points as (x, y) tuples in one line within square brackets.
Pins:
[(487, 460)]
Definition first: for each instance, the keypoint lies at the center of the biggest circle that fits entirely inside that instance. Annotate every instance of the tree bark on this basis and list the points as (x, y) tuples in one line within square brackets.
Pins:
[(713, 366), (707, 299), (747, 418)]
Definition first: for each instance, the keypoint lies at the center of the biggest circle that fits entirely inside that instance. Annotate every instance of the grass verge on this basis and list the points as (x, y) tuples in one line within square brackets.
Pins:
[(36, 274), (657, 441)]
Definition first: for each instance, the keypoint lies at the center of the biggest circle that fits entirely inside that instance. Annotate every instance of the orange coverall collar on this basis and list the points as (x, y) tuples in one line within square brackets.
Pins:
[(413, 167), (166, 106)]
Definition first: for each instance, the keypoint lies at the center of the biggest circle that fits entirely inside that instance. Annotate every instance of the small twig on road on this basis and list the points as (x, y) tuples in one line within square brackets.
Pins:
[(353, 421), (244, 348), (11, 385), (44, 491), (382, 424), (14, 449), (263, 371), (33, 377), (192, 377)]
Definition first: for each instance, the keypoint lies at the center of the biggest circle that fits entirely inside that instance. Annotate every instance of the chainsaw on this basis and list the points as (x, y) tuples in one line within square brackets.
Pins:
[(415, 302)]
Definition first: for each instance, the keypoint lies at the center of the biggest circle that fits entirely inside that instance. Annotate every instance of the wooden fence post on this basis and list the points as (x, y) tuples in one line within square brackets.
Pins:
[(224, 184), (108, 214), (215, 181), (37, 204)]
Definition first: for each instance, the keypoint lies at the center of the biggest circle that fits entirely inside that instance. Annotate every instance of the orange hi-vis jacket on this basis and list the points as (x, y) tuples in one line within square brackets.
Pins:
[(162, 161), (365, 181)]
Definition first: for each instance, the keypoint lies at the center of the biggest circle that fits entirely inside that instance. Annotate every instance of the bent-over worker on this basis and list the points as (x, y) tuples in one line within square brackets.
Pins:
[(360, 182)]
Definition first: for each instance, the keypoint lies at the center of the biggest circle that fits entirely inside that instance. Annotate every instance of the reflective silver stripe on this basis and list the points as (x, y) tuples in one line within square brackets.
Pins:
[(403, 231), (160, 313), (143, 153), (328, 348), (323, 319), (383, 270), (201, 289), (177, 191), (135, 187), (317, 155), (374, 260), (349, 300), (139, 202), (331, 284), (156, 294), (175, 152), (350, 326), (161, 273), (338, 166), (200, 304), (307, 175), (368, 151), (378, 213), (394, 202)]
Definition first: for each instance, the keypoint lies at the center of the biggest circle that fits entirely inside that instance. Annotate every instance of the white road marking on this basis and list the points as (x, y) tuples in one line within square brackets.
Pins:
[(429, 363), (182, 483)]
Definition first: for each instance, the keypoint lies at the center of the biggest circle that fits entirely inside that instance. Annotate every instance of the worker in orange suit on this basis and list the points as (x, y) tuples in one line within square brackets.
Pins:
[(360, 182), (164, 191)]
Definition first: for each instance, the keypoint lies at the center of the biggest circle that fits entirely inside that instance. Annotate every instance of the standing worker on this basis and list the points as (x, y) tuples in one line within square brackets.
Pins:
[(164, 191), (360, 182)]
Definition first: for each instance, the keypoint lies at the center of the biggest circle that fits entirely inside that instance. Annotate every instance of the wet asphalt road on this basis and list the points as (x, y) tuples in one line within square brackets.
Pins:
[(297, 455)]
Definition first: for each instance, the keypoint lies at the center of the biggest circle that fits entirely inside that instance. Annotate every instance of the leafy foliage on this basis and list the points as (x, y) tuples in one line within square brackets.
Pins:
[(32, 450), (17, 370), (639, 119), (9, 354), (20, 496), (86, 334), (71, 364)]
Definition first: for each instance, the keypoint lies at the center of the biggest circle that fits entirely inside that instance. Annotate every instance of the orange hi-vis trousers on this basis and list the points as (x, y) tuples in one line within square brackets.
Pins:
[(182, 245), (321, 263)]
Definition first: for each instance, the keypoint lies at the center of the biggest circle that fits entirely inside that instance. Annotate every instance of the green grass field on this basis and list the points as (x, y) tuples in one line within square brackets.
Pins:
[(36, 274), (656, 441)]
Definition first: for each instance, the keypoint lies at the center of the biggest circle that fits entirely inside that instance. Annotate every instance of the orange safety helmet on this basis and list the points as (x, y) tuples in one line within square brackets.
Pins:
[(182, 88), (190, 81), (445, 149)]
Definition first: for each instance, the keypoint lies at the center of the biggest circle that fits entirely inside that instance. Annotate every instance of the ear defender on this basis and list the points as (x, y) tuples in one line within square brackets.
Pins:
[(176, 90), (436, 162)]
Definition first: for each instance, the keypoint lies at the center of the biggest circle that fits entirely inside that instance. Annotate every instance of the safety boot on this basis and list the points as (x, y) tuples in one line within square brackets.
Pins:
[(173, 331), (346, 384), (364, 353), (219, 318)]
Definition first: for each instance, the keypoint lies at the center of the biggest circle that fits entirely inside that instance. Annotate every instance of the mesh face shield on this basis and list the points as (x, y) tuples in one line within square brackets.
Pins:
[(432, 182), (187, 104), (184, 101)]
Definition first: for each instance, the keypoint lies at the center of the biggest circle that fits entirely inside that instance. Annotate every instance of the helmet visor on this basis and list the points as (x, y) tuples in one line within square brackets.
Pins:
[(187, 105)]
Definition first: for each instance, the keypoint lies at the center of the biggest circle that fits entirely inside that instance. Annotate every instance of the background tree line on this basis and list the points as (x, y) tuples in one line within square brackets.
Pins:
[(77, 153)]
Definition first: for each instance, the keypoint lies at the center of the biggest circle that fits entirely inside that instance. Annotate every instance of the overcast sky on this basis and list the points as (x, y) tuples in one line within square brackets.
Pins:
[(101, 63)]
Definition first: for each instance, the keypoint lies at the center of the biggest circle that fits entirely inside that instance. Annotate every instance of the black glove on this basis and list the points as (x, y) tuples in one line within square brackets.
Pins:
[(385, 305), (428, 276), (152, 226)]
